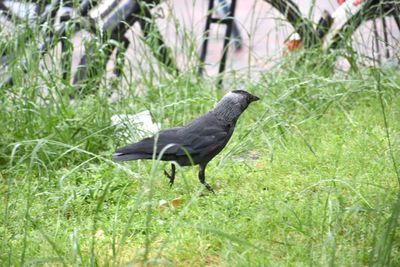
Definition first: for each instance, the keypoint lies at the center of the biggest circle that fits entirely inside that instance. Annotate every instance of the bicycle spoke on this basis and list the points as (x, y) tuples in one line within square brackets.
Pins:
[(376, 39), (385, 36)]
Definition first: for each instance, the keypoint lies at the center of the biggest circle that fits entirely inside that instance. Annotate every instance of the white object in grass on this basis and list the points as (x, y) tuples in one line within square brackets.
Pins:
[(135, 127)]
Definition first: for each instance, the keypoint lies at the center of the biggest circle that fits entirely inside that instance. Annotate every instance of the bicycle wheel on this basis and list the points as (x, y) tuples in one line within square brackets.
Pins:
[(369, 32)]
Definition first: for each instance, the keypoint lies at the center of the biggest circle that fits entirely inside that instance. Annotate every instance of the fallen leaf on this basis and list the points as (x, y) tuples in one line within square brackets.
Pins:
[(176, 202)]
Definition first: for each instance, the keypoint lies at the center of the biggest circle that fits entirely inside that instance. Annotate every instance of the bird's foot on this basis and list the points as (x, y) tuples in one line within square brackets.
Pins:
[(209, 187), (170, 177)]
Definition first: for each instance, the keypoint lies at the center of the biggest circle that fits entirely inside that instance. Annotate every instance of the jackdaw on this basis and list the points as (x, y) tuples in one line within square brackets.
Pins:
[(202, 139)]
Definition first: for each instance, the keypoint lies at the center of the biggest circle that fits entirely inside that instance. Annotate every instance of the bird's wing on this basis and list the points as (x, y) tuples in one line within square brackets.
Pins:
[(200, 140), (201, 136), (194, 141)]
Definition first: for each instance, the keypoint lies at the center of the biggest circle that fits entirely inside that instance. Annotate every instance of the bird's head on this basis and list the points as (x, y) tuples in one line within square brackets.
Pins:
[(239, 99), (233, 104), (244, 97)]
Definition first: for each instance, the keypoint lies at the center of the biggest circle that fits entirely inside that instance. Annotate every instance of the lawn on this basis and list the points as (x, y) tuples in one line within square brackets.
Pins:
[(308, 178)]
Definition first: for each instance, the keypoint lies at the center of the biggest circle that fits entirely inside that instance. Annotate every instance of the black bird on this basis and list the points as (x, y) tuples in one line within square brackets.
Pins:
[(202, 139)]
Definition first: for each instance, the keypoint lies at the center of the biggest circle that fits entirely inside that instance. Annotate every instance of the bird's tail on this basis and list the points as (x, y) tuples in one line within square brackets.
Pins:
[(125, 157)]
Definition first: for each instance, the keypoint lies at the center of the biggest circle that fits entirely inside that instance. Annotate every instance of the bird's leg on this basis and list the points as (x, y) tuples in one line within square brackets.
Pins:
[(171, 176), (202, 177)]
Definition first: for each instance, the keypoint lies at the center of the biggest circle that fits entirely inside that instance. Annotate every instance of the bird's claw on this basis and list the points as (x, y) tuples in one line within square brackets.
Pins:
[(170, 177), (209, 188), (167, 174)]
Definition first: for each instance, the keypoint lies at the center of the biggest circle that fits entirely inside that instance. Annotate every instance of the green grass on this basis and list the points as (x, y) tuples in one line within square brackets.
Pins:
[(307, 179), (320, 193)]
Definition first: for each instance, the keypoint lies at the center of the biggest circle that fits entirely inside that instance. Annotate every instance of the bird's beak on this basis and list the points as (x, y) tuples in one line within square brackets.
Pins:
[(254, 98)]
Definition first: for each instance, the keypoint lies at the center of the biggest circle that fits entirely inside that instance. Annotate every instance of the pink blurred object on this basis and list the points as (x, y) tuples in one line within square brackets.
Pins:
[(354, 2)]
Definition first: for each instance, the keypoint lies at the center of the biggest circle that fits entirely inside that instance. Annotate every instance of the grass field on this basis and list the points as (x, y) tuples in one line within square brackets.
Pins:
[(310, 177)]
